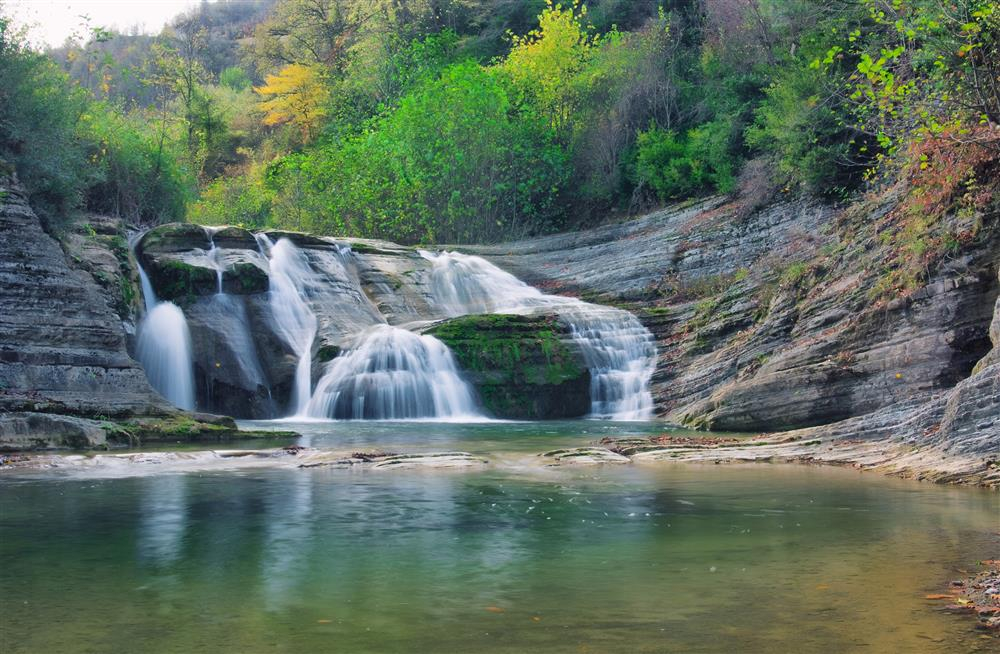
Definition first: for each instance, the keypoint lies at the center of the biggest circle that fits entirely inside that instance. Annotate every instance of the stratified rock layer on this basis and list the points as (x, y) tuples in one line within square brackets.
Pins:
[(781, 319), (62, 344)]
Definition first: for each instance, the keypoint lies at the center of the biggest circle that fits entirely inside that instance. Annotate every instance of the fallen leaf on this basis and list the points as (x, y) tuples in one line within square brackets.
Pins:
[(535, 618), (937, 596), (494, 609), (324, 621)]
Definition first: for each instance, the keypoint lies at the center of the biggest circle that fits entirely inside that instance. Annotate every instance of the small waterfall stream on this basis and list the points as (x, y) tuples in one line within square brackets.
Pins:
[(390, 373), (382, 371), (295, 321), (618, 350), (164, 347)]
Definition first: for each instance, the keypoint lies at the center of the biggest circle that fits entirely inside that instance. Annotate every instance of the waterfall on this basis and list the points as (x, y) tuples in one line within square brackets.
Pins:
[(618, 350), (164, 347), (215, 256), (295, 321), (390, 373)]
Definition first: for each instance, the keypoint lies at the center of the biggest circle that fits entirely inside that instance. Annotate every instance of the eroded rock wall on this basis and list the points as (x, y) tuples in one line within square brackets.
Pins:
[(774, 320), (62, 333)]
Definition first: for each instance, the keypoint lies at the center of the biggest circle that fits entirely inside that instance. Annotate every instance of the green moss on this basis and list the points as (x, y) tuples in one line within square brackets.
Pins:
[(181, 427), (521, 365), (529, 349), (245, 278), (181, 282), (327, 353), (174, 237), (367, 248)]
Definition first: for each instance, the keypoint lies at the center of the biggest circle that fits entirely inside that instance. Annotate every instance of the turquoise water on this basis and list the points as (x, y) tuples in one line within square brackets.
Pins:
[(651, 558)]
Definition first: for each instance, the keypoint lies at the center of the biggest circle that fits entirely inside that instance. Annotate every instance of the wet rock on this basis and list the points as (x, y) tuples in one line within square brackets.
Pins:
[(430, 460), (234, 238), (770, 321), (584, 456), (33, 431), (523, 367), (172, 238), (384, 461), (63, 343)]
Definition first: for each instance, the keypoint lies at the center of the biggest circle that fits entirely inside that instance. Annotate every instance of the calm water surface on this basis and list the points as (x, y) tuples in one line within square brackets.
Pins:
[(512, 558)]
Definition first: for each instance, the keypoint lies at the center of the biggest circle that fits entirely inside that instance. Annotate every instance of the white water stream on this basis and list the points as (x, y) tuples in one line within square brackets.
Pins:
[(388, 372), (295, 320), (618, 350), (164, 347)]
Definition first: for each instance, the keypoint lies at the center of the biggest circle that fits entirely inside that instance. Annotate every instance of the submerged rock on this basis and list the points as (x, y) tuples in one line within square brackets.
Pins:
[(386, 461), (585, 456)]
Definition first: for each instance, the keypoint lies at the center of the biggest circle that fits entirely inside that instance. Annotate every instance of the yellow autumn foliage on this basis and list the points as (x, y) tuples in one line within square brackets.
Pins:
[(295, 96)]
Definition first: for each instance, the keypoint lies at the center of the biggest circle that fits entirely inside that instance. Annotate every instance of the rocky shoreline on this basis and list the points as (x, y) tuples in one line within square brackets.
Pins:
[(976, 595), (867, 456)]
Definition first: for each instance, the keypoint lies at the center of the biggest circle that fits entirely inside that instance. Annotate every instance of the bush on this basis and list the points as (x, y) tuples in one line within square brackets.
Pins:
[(242, 200), (70, 151), (141, 177), (39, 109), (455, 162), (678, 167), (234, 78)]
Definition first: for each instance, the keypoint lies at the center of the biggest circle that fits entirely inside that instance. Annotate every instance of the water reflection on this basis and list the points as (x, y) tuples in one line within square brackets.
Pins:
[(163, 504), (664, 558)]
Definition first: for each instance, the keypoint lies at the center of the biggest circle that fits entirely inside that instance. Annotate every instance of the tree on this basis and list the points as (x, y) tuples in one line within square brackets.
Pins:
[(308, 32), (295, 96), (545, 61)]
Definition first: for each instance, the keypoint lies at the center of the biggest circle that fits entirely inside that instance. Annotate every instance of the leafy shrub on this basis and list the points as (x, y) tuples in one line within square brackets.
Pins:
[(141, 177), (455, 162), (242, 200), (39, 109), (677, 167), (234, 78)]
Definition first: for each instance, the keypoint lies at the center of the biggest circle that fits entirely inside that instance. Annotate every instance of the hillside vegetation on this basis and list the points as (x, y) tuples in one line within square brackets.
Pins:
[(450, 121)]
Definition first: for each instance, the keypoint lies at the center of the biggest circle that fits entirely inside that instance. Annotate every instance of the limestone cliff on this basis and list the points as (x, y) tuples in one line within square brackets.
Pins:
[(67, 313), (62, 342), (782, 319)]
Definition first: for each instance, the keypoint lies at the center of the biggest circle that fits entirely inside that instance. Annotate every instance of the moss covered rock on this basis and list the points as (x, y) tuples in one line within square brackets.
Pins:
[(173, 237), (178, 281), (244, 278), (234, 238), (184, 427), (300, 239), (524, 367)]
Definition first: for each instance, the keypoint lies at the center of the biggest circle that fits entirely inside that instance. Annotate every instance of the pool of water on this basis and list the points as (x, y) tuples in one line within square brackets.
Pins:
[(490, 437), (630, 558)]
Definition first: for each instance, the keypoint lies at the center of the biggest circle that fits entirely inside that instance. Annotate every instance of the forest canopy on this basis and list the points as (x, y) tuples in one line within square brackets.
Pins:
[(471, 120)]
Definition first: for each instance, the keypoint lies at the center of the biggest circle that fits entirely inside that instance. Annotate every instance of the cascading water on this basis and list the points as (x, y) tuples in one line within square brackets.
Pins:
[(295, 321), (215, 256), (390, 373), (164, 348), (384, 373), (618, 350)]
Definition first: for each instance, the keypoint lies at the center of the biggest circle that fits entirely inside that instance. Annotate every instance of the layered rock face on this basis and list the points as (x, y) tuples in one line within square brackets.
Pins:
[(771, 321), (62, 341)]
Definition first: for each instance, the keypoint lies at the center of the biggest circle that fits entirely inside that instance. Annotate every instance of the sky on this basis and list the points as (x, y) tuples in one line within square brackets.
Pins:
[(51, 21)]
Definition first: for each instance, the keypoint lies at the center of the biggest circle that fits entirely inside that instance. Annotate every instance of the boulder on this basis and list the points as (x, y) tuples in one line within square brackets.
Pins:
[(21, 431), (523, 367)]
